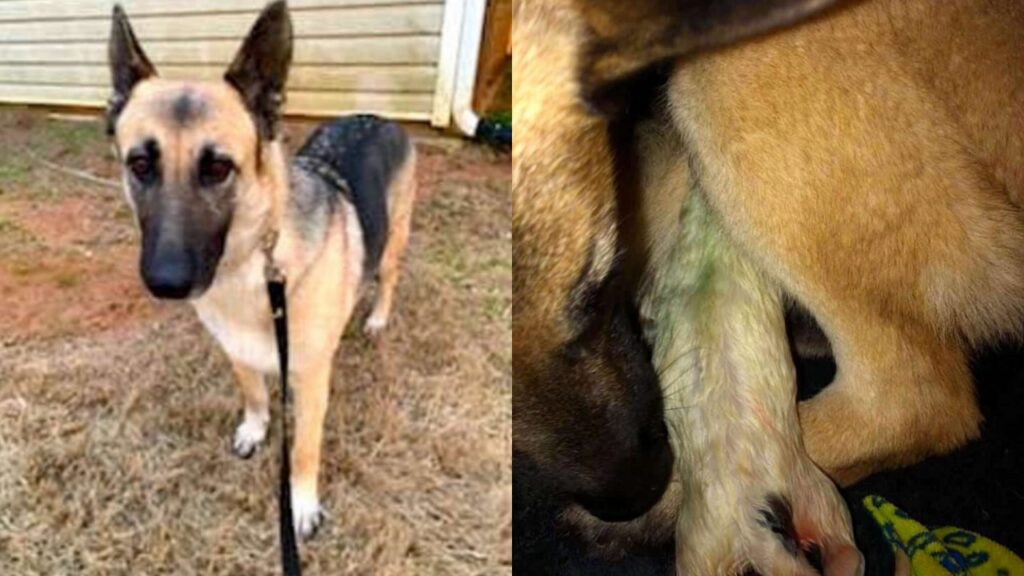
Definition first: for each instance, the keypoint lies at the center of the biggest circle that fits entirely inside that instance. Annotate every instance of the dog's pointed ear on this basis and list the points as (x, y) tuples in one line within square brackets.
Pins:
[(260, 69), (628, 38), (128, 64)]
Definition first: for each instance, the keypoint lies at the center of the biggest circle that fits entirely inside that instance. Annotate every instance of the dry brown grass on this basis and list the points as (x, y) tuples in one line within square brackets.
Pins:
[(116, 412)]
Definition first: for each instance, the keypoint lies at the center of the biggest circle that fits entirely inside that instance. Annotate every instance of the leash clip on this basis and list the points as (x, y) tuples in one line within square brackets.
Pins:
[(271, 272)]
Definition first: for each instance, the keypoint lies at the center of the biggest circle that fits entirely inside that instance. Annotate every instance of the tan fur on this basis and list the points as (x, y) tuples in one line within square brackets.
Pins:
[(562, 173), (148, 115), (401, 196), (549, 188), (625, 37), (870, 162)]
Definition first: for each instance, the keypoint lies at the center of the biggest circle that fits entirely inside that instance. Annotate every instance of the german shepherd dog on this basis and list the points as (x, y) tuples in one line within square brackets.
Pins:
[(866, 161), (206, 175)]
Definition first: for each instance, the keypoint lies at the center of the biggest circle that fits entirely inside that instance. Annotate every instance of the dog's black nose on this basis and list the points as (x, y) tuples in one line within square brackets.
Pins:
[(168, 275), (639, 483)]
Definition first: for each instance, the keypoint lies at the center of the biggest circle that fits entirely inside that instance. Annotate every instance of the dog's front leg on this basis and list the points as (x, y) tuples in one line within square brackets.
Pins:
[(311, 385), (255, 415)]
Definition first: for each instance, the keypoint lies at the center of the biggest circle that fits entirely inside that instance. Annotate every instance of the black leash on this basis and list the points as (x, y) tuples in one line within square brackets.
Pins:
[(279, 310)]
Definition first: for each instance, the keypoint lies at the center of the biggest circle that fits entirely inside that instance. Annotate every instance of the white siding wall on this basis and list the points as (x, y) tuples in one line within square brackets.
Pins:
[(376, 56)]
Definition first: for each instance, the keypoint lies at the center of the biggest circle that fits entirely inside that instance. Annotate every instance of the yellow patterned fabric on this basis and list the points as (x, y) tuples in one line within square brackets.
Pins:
[(942, 551)]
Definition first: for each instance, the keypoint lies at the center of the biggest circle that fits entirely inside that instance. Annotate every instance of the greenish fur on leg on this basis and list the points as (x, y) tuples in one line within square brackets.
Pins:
[(726, 373)]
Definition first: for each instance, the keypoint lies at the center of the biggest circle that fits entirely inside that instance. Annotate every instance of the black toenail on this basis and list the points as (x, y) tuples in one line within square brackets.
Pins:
[(813, 553), (778, 517)]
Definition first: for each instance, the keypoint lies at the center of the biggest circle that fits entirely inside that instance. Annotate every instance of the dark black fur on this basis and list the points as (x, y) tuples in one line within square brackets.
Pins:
[(543, 546), (187, 108), (260, 69), (128, 65), (364, 153)]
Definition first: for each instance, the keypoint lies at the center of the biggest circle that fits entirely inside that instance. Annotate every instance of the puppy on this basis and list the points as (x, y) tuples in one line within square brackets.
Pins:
[(206, 175)]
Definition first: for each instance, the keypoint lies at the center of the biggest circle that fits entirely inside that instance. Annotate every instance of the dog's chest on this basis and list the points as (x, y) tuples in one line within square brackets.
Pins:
[(236, 311)]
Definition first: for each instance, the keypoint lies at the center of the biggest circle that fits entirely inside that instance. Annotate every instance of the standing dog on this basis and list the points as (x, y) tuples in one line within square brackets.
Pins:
[(207, 178)]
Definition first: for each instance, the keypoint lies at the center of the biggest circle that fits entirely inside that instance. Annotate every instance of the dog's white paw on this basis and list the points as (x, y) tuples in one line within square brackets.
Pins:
[(250, 433), (375, 324), (810, 537), (306, 513), (744, 525)]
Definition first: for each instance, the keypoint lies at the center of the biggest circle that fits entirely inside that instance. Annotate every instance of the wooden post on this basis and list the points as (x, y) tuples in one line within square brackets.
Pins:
[(495, 58)]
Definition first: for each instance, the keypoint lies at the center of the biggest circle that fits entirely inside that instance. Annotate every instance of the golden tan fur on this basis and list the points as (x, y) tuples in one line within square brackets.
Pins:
[(875, 175), (401, 197), (549, 188), (553, 263)]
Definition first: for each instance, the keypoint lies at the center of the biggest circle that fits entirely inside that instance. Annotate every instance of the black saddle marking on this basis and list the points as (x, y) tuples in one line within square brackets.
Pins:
[(358, 157)]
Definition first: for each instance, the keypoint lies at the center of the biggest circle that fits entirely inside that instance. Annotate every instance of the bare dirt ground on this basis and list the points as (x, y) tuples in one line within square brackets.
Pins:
[(116, 411)]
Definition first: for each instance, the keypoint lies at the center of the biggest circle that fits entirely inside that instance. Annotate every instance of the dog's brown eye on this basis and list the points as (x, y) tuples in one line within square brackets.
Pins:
[(215, 171), (141, 167)]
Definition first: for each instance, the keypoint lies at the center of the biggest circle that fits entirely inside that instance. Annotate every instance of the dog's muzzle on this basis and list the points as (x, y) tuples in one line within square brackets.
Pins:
[(168, 272)]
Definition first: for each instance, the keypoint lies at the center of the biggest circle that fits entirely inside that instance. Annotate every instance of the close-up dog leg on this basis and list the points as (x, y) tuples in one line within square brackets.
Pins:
[(255, 410), (311, 390), (402, 193), (754, 500), (900, 393)]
